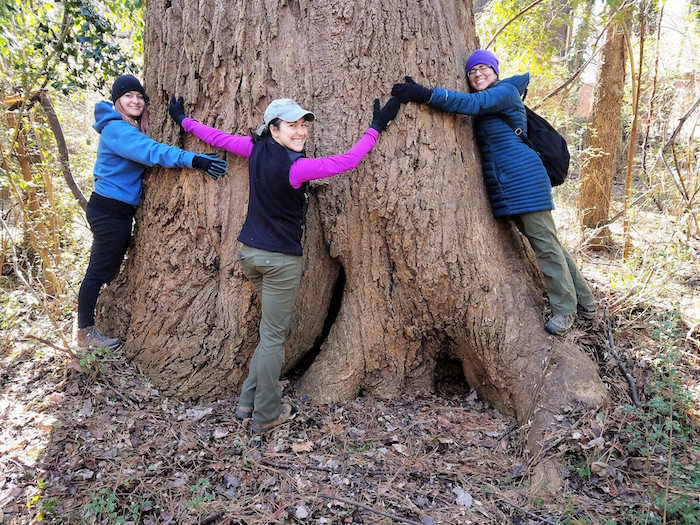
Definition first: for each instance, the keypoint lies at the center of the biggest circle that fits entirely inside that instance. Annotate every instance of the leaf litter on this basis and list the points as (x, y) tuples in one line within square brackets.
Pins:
[(106, 447)]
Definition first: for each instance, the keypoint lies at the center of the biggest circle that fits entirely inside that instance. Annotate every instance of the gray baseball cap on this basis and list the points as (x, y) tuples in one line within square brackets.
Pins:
[(285, 109)]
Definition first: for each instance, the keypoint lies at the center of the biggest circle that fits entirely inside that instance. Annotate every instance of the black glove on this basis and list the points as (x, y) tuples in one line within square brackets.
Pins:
[(176, 108), (210, 163), (411, 92), (382, 116)]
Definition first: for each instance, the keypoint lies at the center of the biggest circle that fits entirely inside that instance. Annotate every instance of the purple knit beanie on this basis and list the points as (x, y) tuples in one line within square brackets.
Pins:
[(482, 56)]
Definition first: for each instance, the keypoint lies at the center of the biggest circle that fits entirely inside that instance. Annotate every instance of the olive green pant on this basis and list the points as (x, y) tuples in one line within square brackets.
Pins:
[(276, 278), (566, 287)]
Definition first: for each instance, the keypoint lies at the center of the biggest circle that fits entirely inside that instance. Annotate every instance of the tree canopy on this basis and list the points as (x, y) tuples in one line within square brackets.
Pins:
[(69, 45)]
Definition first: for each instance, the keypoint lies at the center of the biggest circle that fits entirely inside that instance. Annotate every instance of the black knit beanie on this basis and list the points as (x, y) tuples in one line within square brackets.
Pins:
[(124, 84)]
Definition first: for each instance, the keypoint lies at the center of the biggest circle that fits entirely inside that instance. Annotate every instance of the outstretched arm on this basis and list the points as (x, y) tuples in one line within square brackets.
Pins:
[(233, 143), (304, 170), (493, 100)]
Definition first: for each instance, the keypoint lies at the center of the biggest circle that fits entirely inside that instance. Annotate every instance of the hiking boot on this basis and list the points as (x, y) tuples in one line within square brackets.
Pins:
[(587, 311), (243, 413), (559, 324), (282, 418), (91, 337)]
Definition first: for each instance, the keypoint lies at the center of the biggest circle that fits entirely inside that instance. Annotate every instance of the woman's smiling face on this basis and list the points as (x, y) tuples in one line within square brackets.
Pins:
[(482, 76), (291, 135), (133, 103)]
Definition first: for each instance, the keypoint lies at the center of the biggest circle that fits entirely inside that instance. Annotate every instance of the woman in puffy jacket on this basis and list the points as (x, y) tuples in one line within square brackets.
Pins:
[(516, 180), (123, 153)]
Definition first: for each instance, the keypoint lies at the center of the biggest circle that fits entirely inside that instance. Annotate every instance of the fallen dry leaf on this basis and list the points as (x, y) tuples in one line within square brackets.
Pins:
[(306, 446)]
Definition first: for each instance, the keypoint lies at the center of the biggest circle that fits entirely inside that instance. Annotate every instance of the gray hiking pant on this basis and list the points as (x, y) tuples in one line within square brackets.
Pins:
[(566, 287), (276, 277)]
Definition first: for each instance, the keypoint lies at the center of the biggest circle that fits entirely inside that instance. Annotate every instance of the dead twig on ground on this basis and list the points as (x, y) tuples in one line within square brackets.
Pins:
[(620, 363), (368, 508), (518, 507), (29, 338), (212, 519)]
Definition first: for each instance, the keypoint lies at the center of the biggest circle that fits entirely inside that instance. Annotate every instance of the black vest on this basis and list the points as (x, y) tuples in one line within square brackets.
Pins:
[(275, 220)]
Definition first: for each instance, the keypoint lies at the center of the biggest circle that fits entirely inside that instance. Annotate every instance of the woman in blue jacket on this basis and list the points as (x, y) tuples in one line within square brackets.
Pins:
[(123, 153), (515, 178)]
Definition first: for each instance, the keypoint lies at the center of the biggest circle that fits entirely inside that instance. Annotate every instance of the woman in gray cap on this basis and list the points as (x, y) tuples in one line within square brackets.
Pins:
[(123, 153), (272, 233)]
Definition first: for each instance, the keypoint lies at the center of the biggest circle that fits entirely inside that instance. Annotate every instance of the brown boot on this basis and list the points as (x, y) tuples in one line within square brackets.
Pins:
[(91, 337), (587, 311), (282, 418)]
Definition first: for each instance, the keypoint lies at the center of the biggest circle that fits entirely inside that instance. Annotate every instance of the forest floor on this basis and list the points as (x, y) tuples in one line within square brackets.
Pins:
[(87, 439)]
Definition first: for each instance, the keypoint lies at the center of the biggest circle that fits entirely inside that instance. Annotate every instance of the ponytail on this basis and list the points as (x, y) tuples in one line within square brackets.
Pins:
[(255, 137)]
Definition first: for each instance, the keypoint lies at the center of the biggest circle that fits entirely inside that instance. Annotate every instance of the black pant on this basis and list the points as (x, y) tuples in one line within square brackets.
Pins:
[(111, 222)]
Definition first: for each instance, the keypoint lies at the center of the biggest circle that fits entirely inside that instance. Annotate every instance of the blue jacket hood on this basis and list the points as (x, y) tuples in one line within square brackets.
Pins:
[(104, 113), (519, 81)]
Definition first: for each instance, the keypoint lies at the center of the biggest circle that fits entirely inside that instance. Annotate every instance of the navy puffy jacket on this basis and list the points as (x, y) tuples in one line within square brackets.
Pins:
[(515, 177)]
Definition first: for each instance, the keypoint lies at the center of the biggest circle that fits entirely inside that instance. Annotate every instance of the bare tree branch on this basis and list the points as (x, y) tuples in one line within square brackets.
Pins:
[(518, 15), (55, 126)]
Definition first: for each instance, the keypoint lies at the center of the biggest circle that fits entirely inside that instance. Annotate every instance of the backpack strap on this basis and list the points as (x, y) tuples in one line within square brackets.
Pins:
[(517, 130)]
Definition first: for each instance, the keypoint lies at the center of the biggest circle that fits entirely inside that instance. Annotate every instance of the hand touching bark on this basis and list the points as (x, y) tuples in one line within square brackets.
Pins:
[(176, 108), (209, 163), (383, 115), (410, 91)]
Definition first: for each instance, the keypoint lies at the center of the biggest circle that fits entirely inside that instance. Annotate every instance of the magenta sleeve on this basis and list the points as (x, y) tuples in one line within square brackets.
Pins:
[(304, 170), (234, 143)]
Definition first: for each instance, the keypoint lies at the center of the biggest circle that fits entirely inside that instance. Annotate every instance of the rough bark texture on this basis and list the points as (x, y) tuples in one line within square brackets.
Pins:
[(602, 136), (428, 273)]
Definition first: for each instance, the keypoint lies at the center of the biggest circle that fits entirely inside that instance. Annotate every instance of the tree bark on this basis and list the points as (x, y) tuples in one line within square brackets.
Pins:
[(602, 137), (405, 244)]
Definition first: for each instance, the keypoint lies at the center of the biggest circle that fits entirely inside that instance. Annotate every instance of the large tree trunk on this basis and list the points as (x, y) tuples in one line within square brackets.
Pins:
[(602, 136), (405, 244)]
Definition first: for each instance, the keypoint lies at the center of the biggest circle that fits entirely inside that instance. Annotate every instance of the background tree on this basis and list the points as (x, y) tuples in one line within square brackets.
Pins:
[(582, 33), (405, 247), (534, 34), (602, 136)]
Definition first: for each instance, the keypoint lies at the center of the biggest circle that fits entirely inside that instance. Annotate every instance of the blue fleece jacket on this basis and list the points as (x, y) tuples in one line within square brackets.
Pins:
[(123, 154), (515, 177)]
